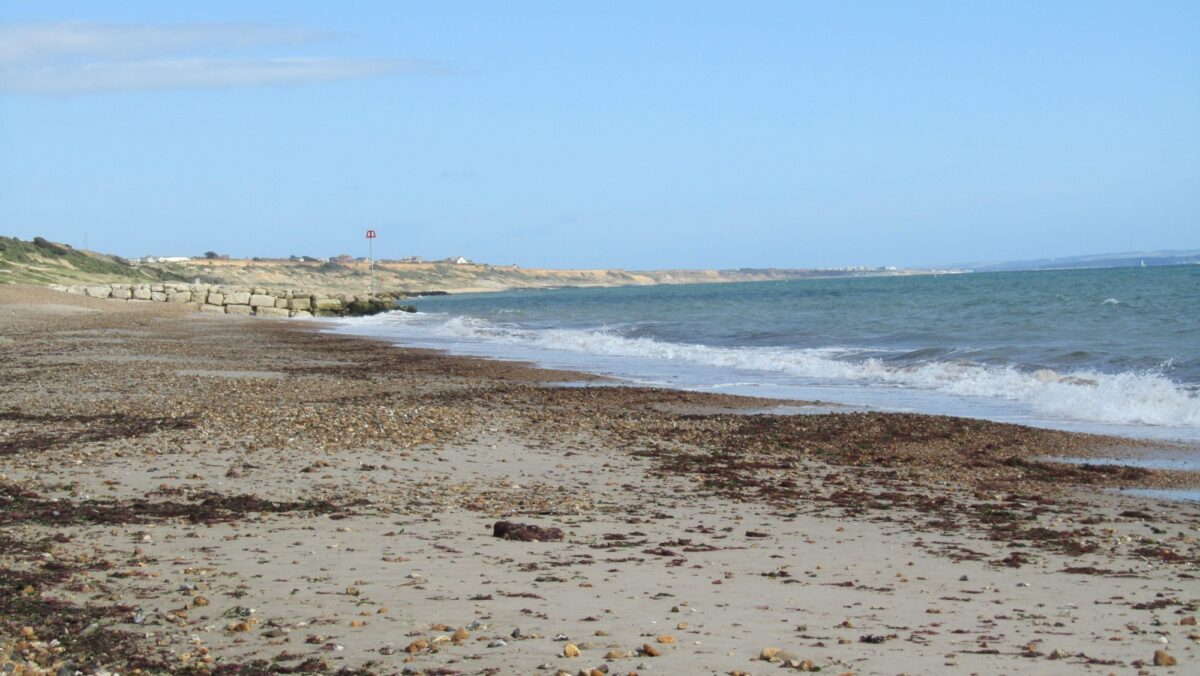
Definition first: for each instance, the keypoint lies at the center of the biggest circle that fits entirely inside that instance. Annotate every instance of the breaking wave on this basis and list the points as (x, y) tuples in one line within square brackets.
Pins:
[(1147, 397)]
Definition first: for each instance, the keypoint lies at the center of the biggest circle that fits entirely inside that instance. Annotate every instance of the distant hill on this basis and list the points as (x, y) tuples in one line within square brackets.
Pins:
[(1111, 260), (44, 262), (414, 277)]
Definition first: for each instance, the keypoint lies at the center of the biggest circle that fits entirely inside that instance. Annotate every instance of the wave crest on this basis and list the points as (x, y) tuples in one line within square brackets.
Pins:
[(1147, 398)]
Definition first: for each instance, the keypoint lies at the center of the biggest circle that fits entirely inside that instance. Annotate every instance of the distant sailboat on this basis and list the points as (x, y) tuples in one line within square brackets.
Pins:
[(1143, 262)]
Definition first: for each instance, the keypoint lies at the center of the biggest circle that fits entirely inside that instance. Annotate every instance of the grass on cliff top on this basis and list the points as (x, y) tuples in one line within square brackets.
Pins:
[(44, 262)]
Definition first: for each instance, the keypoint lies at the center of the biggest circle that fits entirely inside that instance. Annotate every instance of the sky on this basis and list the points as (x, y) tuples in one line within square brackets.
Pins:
[(638, 135)]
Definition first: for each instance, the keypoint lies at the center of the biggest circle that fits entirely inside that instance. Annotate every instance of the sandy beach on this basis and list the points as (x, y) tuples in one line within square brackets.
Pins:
[(197, 494)]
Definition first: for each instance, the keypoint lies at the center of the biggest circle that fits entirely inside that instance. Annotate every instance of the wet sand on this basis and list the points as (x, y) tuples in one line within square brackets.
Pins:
[(182, 493)]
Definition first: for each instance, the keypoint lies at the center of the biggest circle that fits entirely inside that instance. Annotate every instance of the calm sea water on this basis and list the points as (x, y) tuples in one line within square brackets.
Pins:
[(1114, 351)]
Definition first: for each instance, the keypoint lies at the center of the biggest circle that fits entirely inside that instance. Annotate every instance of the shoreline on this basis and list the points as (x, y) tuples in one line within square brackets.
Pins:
[(331, 500), (1078, 394), (1109, 449)]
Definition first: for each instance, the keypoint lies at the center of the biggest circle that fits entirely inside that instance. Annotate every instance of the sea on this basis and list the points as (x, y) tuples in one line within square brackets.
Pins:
[(1112, 351)]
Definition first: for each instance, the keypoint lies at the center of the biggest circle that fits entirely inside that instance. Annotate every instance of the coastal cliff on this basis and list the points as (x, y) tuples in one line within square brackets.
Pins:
[(44, 262)]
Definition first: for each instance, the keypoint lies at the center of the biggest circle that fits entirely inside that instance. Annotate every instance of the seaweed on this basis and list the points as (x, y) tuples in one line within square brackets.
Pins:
[(76, 429), (19, 505)]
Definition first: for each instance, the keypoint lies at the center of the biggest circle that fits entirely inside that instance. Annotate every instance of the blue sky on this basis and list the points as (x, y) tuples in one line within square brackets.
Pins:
[(637, 135)]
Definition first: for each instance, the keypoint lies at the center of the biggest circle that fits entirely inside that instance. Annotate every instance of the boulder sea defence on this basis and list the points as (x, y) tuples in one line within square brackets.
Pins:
[(241, 300)]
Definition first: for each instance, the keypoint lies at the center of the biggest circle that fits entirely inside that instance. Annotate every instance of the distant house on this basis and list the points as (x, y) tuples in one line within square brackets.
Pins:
[(411, 259), (457, 260), (164, 259)]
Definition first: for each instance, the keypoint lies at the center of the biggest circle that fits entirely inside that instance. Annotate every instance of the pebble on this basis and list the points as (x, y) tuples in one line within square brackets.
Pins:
[(498, 643), (417, 646), (1164, 659), (650, 651), (570, 650)]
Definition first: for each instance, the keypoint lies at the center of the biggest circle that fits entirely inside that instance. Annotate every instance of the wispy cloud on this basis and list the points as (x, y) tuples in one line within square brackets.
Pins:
[(81, 58), (196, 73), (44, 42)]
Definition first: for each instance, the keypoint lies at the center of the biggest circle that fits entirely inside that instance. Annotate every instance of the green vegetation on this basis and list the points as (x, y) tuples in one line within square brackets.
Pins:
[(44, 262)]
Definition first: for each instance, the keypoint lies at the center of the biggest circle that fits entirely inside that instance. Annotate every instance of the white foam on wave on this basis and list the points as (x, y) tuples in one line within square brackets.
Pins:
[(1144, 398), (1141, 398)]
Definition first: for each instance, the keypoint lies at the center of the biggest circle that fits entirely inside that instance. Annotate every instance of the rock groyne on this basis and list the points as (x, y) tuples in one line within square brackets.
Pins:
[(242, 300)]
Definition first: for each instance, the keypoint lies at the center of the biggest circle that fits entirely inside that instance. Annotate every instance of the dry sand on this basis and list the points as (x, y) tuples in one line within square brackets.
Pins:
[(196, 494)]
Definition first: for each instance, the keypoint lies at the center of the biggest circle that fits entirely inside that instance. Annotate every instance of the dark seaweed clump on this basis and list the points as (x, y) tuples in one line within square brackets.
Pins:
[(33, 616), (18, 505), (26, 611), (57, 431)]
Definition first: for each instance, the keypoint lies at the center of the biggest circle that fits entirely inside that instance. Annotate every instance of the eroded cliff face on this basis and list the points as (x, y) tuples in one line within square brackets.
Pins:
[(355, 276), (44, 263)]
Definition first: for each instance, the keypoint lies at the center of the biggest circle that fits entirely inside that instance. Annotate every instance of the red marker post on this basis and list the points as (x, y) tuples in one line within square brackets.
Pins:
[(370, 261)]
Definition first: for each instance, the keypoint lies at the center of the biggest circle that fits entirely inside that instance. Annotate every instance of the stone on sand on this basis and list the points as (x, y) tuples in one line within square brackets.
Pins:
[(1163, 658)]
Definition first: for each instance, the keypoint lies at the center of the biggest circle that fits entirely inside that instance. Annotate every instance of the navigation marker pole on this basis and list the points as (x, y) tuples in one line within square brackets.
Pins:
[(370, 261)]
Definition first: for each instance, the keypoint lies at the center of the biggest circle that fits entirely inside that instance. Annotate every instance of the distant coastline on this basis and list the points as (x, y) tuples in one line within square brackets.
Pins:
[(44, 262), (1129, 259)]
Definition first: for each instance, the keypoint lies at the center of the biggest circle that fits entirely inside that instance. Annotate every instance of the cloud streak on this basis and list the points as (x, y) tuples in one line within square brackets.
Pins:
[(197, 73), (81, 58), (44, 42)]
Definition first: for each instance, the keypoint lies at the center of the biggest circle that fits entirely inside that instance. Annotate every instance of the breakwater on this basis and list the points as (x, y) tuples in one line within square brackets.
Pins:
[(241, 300)]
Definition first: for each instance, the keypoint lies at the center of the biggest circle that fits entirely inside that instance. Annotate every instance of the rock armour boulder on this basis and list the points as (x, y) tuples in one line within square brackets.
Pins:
[(234, 300)]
